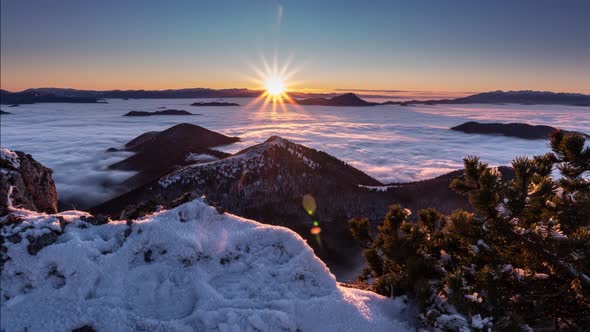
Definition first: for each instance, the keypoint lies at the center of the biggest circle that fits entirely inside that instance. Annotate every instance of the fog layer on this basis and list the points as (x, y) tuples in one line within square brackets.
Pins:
[(390, 143)]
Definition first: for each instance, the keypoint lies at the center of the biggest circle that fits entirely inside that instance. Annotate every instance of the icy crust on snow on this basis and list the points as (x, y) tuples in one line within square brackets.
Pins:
[(189, 268), (252, 158)]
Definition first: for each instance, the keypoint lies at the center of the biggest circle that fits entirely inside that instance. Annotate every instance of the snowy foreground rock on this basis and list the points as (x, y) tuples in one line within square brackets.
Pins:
[(189, 268)]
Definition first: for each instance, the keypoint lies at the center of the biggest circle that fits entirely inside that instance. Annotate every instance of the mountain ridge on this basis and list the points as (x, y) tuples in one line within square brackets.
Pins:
[(525, 97)]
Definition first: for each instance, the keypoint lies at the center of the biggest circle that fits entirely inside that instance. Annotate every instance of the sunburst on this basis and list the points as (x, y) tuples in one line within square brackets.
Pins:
[(274, 81)]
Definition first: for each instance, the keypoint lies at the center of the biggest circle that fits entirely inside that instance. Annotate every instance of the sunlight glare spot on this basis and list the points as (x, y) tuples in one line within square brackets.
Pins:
[(275, 86)]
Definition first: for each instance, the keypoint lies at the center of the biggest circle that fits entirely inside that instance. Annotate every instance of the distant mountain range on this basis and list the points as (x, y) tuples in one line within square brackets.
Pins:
[(524, 97), (146, 94), (49, 95), (59, 95), (32, 97)]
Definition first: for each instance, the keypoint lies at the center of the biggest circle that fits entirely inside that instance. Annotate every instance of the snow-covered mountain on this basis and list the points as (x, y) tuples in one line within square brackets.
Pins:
[(276, 154), (267, 182), (188, 268)]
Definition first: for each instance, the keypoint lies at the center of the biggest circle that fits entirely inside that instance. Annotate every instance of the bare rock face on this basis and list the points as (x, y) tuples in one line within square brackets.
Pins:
[(25, 183)]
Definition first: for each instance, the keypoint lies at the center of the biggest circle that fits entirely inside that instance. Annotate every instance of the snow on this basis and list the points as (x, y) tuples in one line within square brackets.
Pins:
[(235, 166), (454, 322), (10, 157), (479, 323), (377, 188), (481, 243), (473, 297), (189, 268), (200, 157), (556, 233)]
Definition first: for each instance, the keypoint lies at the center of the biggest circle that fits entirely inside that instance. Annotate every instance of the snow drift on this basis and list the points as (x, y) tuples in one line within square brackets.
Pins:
[(188, 268)]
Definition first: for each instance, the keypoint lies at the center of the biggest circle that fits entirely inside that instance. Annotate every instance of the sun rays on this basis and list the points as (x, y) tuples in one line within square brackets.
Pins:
[(275, 81)]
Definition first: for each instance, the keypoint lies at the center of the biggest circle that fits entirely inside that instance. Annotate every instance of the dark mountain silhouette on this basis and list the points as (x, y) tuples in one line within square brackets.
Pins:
[(525, 97), (158, 153), (520, 130), (150, 94), (348, 99), (31, 97), (166, 94), (164, 112), (215, 103), (327, 99)]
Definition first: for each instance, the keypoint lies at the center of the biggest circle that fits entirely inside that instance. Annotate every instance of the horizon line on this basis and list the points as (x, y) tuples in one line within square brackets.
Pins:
[(304, 90)]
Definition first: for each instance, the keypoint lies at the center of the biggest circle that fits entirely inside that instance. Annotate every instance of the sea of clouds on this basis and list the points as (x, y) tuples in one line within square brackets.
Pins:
[(390, 143)]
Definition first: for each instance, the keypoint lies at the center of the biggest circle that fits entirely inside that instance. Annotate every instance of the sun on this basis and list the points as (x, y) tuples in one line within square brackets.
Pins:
[(275, 86), (274, 81)]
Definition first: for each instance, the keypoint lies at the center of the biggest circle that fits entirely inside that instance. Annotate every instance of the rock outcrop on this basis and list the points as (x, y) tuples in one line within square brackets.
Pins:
[(25, 183)]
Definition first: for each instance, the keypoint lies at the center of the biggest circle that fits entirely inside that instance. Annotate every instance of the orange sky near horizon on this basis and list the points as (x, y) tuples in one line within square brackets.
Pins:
[(18, 78), (159, 72)]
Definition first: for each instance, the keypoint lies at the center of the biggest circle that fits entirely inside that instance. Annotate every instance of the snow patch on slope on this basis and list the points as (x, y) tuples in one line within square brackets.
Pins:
[(199, 157), (377, 188), (234, 166), (189, 268)]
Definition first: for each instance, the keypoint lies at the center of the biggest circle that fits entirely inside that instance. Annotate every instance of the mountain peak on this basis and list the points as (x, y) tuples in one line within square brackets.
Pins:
[(277, 139), (275, 155), (347, 99), (348, 95)]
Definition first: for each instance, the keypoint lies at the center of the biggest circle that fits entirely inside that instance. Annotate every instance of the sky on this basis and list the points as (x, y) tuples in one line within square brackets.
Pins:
[(452, 45)]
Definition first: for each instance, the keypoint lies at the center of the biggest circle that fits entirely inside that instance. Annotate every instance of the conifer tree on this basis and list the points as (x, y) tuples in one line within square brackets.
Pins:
[(520, 260)]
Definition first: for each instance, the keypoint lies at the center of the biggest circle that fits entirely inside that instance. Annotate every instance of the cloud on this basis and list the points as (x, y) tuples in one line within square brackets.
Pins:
[(390, 143)]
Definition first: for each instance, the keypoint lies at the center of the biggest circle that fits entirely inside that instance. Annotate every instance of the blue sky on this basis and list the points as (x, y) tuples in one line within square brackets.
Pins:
[(411, 45)]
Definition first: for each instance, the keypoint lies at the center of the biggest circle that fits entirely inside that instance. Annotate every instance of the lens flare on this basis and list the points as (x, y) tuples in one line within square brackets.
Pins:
[(309, 204)]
